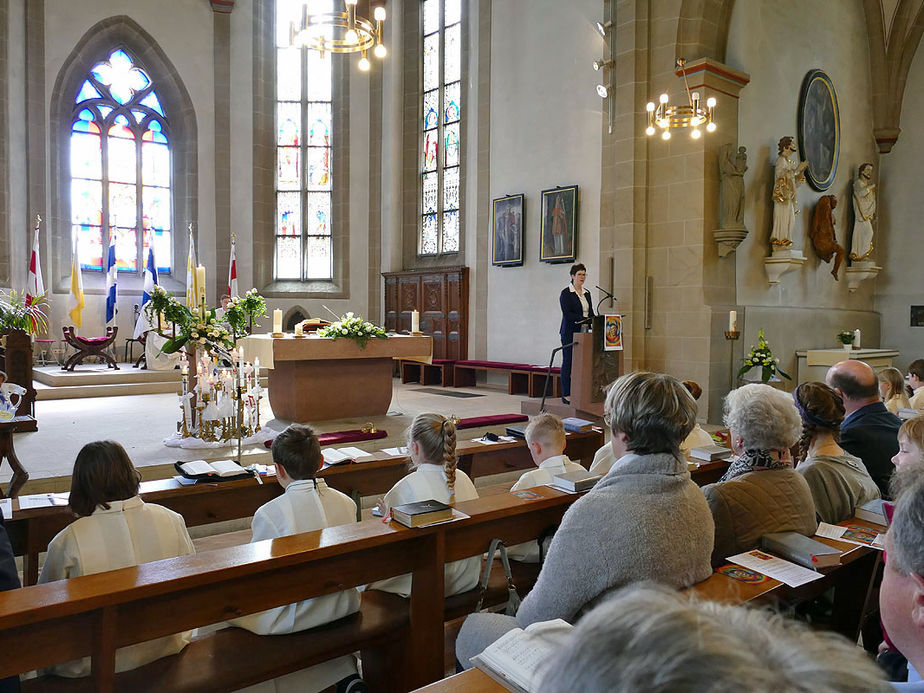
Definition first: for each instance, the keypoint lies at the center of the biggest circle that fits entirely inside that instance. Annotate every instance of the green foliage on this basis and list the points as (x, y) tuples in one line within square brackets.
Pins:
[(762, 356), (207, 332), (243, 310), (846, 337), (18, 313)]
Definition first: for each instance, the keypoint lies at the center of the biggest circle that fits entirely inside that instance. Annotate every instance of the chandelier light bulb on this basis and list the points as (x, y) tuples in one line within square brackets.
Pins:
[(351, 36), (663, 98), (379, 50), (650, 130), (650, 106), (710, 127), (666, 135), (695, 133), (710, 102), (379, 14), (351, 2), (364, 64)]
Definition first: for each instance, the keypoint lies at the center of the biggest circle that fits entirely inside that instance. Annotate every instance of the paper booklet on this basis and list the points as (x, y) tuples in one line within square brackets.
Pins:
[(516, 659), (6, 508), (852, 534), (776, 568)]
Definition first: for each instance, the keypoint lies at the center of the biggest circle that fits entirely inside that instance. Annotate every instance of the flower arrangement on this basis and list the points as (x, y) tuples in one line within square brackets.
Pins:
[(353, 327), (18, 312), (242, 310), (761, 357), (201, 328), (846, 337)]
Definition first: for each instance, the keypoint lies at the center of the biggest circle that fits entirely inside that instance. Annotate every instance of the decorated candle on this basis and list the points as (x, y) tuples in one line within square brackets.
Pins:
[(200, 283), (733, 321), (299, 329), (415, 321), (277, 320)]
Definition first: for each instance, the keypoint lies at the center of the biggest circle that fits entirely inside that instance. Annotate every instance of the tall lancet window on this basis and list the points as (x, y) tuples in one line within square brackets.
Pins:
[(120, 167), (441, 134), (304, 137)]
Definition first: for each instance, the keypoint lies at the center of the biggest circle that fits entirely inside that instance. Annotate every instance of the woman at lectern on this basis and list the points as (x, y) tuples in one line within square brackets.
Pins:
[(576, 308)]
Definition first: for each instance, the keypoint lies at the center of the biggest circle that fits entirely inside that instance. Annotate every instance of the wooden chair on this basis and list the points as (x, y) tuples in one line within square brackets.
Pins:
[(89, 346)]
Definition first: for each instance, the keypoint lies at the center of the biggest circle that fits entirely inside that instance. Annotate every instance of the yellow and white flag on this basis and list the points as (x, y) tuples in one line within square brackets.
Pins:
[(192, 291), (75, 303)]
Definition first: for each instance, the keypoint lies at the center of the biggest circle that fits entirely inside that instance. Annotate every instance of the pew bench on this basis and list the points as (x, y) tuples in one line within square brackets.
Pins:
[(439, 372), (463, 373)]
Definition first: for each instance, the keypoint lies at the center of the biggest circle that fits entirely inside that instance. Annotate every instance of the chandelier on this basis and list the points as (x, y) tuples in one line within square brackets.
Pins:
[(688, 115), (341, 32)]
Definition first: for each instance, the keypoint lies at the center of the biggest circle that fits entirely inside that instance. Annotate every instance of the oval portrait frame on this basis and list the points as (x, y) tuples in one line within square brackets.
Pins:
[(819, 129)]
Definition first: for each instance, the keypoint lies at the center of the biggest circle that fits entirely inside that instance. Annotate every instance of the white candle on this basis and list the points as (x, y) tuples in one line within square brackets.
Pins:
[(277, 320), (856, 338), (240, 365), (733, 321), (200, 282), (415, 321), (299, 329)]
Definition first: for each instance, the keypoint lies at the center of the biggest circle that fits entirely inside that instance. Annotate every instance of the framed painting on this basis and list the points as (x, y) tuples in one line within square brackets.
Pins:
[(507, 224), (558, 231), (819, 129)]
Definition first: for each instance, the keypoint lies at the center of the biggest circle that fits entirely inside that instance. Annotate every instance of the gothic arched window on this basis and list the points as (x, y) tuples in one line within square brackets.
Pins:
[(441, 127), (120, 167)]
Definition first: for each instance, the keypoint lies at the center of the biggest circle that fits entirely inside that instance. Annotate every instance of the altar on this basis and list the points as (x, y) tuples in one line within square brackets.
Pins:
[(319, 378), (813, 364)]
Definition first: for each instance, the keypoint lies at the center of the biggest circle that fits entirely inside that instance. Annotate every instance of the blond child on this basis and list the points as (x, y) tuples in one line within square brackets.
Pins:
[(545, 436), (431, 443), (909, 460), (892, 389)]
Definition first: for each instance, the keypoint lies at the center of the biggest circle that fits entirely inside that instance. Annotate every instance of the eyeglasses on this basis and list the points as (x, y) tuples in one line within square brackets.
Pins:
[(608, 418)]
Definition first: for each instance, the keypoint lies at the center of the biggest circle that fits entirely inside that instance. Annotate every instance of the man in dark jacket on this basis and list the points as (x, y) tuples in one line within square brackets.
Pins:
[(869, 431), (9, 580)]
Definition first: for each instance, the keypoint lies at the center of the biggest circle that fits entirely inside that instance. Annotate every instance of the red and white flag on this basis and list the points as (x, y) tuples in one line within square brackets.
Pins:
[(35, 286), (232, 272)]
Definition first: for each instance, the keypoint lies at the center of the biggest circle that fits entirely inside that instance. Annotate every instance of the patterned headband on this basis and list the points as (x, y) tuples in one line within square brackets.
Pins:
[(808, 416)]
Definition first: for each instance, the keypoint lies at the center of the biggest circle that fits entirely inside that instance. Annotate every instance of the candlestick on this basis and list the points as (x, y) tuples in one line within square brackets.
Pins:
[(415, 321), (733, 321)]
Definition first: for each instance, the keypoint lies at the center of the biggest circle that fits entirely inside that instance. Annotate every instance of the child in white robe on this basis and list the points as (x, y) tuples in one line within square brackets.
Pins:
[(545, 437), (306, 505), (115, 529), (432, 449)]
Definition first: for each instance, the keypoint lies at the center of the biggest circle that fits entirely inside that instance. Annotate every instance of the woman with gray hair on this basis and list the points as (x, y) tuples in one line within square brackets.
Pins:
[(760, 493), (645, 520), (651, 640)]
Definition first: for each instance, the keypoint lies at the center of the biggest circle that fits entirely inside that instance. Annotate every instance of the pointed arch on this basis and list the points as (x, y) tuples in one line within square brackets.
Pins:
[(95, 46)]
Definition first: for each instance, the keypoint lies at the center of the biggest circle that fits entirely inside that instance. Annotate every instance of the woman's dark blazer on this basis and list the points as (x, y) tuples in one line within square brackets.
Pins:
[(571, 311)]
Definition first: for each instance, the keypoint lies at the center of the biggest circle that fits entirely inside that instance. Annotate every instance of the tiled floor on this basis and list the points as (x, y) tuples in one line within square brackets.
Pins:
[(141, 422)]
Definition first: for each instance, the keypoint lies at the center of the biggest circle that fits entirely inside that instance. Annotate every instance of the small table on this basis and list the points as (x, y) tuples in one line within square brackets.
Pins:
[(20, 475)]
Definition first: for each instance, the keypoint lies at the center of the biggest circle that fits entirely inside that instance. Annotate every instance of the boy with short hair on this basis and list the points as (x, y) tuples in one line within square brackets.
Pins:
[(545, 437), (307, 504), (916, 383)]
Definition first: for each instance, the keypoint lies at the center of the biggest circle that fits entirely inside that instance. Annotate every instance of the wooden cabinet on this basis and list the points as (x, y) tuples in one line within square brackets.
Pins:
[(441, 296)]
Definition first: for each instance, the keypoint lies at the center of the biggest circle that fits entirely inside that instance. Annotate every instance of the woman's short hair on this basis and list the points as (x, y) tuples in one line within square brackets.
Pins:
[(620, 646), (654, 410), (894, 378), (579, 267), (764, 417), (298, 451), (103, 472)]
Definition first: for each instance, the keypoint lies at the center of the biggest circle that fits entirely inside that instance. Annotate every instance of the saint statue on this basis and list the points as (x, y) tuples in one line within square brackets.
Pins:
[(731, 186), (864, 209), (788, 175)]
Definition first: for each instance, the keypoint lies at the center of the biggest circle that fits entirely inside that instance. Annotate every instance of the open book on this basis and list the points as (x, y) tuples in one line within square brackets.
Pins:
[(199, 469), (518, 657), (343, 455)]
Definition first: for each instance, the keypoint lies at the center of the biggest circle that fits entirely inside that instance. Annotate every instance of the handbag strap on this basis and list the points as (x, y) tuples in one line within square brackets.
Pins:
[(513, 597)]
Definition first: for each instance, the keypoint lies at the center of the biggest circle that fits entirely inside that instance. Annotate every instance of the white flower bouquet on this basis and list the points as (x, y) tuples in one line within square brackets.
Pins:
[(353, 327)]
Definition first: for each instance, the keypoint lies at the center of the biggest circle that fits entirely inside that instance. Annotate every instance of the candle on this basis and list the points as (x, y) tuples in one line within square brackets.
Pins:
[(299, 329), (733, 321), (856, 338), (277, 320), (415, 321), (200, 283)]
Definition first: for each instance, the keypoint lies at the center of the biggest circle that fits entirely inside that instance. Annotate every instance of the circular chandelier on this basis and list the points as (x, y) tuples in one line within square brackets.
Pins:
[(692, 115), (341, 32)]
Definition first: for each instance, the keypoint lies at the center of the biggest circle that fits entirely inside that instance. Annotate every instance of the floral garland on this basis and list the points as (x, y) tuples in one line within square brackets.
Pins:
[(205, 330), (761, 357), (353, 327)]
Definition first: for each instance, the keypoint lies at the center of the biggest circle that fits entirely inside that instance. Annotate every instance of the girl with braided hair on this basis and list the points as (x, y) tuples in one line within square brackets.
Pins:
[(431, 443), (839, 481)]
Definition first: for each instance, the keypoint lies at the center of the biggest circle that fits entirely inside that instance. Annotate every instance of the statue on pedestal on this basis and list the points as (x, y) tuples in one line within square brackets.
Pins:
[(864, 210), (732, 167), (788, 175)]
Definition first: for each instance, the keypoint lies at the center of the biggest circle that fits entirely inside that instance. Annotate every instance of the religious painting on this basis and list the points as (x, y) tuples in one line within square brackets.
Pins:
[(558, 230), (507, 231), (819, 129), (612, 332)]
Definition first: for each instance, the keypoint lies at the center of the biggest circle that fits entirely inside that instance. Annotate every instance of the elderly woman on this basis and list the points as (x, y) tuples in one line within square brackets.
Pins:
[(838, 480), (645, 520), (761, 492)]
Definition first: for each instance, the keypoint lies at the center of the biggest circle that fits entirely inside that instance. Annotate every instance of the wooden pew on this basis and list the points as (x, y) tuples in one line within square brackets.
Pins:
[(95, 614), (201, 504)]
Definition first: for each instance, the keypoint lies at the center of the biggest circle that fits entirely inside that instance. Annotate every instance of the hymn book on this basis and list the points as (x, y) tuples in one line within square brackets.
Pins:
[(576, 481), (800, 549), (421, 513), (575, 425), (348, 455), (710, 453), (873, 511), (516, 659), (200, 469)]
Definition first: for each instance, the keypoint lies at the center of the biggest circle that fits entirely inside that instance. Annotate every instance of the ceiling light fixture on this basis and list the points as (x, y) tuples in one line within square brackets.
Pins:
[(690, 115), (341, 32), (602, 64)]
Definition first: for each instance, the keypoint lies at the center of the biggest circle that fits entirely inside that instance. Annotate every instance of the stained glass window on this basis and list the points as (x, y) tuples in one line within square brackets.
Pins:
[(304, 140), (120, 167), (441, 115)]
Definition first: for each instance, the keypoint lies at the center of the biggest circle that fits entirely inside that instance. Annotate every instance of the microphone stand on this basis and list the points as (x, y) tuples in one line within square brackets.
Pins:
[(548, 374), (608, 295)]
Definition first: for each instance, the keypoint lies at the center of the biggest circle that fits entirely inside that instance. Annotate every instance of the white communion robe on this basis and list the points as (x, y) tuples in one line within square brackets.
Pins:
[(428, 482), (130, 533), (528, 552), (604, 459), (302, 508)]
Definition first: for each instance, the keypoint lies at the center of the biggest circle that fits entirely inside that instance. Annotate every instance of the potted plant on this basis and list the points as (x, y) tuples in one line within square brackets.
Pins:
[(21, 312), (846, 339), (760, 365)]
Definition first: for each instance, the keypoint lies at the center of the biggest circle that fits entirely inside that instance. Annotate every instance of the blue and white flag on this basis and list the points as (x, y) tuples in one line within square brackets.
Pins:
[(150, 280), (112, 277)]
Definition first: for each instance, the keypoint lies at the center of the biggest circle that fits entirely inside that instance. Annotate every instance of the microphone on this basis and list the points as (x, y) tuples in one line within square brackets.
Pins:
[(608, 295)]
